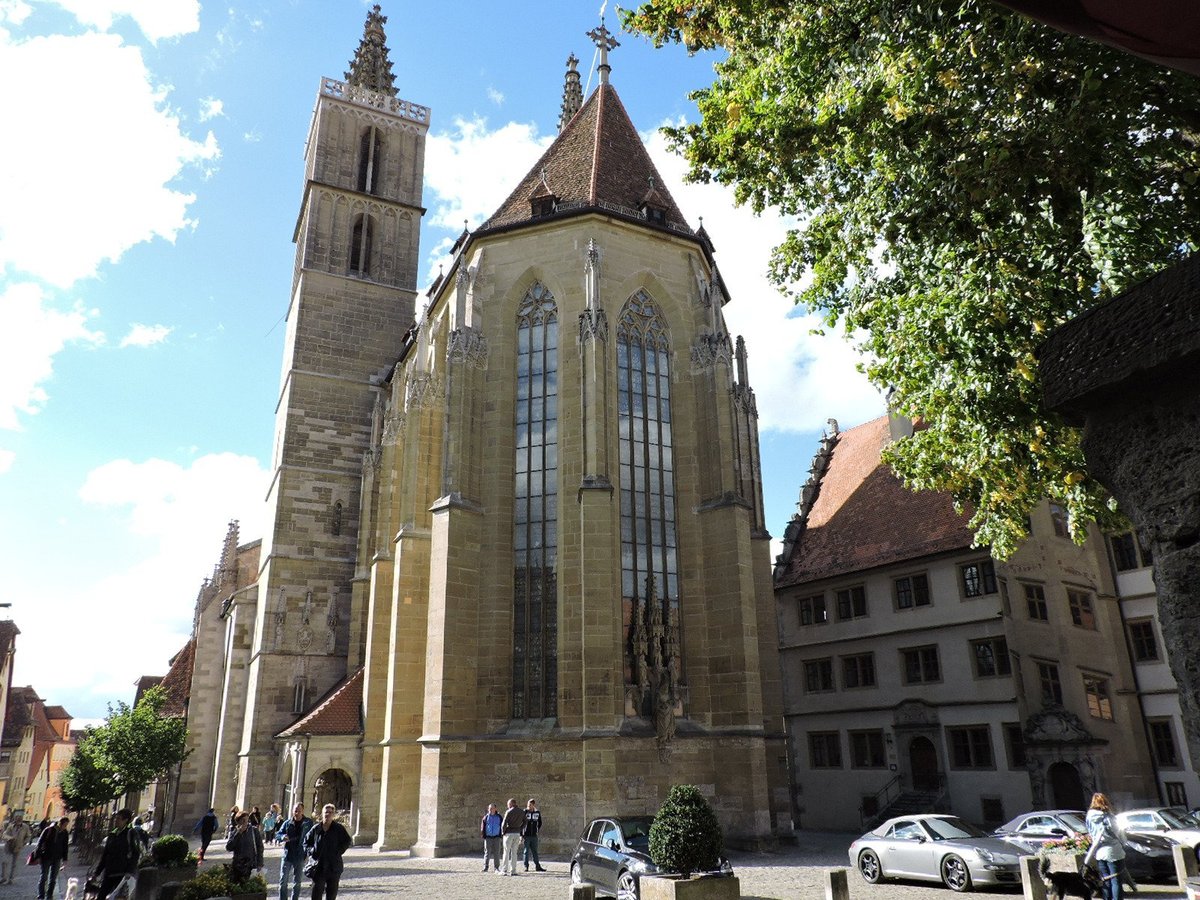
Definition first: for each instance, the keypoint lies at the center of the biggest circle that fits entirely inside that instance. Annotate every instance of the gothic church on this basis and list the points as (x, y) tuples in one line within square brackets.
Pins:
[(516, 544)]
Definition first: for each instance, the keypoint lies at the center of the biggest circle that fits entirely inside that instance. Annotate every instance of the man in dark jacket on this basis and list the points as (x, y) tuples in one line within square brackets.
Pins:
[(207, 826), (325, 844), (529, 834), (246, 845), (52, 853), (120, 854), (292, 834)]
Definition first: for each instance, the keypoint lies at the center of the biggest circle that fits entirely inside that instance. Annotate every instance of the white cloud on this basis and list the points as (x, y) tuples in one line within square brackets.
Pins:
[(32, 332), (211, 108), (252, 137), (799, 379), (157, 19), (175, 519), (117, 186), (14, 12), (145, 335), (7, 458), (495, 96)]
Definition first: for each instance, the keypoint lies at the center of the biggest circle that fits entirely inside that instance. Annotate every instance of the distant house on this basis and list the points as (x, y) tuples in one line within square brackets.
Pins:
[(34, 747), (919, 672)]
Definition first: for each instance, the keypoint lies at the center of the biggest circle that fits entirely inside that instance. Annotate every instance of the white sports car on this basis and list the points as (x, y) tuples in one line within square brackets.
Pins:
[(935, 848)]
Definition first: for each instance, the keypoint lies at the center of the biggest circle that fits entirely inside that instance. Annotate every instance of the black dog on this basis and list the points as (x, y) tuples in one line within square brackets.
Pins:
[(1059, 885)]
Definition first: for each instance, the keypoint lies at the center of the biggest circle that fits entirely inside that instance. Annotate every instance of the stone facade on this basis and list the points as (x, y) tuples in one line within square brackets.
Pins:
[(589, 621)]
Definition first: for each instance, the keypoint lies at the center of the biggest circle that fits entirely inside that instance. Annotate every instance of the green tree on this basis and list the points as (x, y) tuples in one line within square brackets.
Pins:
[(964, 181), (685, 836), (135, 746)]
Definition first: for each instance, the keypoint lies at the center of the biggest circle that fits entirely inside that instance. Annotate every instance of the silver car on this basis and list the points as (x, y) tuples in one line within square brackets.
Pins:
[(935, 848)]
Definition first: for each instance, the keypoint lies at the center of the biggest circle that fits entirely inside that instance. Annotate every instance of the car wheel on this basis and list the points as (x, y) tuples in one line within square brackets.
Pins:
[(869, 867), (955, 874), (576, 873), (627, 887)]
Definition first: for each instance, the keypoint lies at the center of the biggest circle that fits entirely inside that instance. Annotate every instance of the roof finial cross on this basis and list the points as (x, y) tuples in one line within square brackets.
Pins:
[(604, 41)]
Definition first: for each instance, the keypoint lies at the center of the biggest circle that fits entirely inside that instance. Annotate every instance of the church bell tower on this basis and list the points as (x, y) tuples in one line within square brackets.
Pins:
[(352, 300)]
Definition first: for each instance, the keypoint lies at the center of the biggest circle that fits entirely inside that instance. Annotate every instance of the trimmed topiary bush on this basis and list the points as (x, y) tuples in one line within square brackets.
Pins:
[(685, 836), (170, 851), (219, 882)]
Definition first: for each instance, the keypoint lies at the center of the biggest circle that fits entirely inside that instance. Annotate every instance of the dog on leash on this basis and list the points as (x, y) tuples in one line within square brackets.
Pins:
[(1084, 884), (72, 892)]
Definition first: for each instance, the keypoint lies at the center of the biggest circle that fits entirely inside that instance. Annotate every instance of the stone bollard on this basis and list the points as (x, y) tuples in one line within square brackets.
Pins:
[(1032, 885), (1185, 864), (836, 886), (582, 892)]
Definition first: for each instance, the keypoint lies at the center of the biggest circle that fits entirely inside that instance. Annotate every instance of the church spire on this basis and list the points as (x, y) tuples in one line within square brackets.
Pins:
[(572, 93), (604, 42), (371, 68)]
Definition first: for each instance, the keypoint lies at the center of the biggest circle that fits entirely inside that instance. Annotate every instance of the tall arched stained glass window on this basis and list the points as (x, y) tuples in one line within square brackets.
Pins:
[(535, 517), (647, 466)]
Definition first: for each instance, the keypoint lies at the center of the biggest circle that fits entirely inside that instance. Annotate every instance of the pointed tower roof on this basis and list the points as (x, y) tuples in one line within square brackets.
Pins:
[(370, 68), (572, 93), (597, 161)]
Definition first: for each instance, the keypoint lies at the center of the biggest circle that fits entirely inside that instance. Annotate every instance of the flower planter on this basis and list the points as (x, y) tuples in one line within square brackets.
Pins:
[(1065, 861), (150, 880), (695, 887)]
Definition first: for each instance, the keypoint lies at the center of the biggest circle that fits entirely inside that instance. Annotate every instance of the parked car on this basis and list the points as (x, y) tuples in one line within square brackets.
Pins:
[(935, 848), (613, 854), (1148, 856), (1165, 821)]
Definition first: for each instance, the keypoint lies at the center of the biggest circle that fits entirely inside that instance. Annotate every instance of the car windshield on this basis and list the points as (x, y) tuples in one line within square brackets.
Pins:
[(1174, 818), (637, 833), (1073, 822), (952, 829)]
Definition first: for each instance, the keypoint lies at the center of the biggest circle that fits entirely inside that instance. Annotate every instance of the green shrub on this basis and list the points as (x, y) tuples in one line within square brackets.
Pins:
[(170, 851), (685, 836), (219, 882)]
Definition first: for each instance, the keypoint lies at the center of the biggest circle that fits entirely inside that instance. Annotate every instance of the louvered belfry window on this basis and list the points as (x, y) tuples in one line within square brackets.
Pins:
[(535, 517)]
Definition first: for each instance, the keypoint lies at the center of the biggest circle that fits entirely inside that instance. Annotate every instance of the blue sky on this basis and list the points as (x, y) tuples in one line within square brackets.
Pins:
[(150, 179)]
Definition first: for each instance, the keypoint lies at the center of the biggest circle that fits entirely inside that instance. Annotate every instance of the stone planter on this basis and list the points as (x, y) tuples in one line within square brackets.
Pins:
[(696, 887), (151, 879), (1062, 861)]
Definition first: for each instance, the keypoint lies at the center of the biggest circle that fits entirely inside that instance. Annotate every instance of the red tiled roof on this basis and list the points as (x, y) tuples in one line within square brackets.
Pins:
[(598, 159), (57, 712), (864, 517), (338, 712), (178, 680)]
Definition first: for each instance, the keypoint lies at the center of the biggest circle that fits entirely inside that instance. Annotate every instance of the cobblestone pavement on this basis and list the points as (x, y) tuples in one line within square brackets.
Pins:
[(796, 872)]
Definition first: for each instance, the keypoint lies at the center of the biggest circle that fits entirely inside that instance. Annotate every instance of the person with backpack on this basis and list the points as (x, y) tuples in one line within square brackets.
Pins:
[(207, 827), (291, 834), (51, 852)]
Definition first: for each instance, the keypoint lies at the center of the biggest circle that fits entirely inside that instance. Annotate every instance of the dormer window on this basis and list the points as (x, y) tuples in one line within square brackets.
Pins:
[(655, 214), (543, 206)]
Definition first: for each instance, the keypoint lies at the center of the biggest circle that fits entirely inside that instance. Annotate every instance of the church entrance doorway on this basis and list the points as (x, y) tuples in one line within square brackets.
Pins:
[(332, 786), (1065, 787), (923, 763)]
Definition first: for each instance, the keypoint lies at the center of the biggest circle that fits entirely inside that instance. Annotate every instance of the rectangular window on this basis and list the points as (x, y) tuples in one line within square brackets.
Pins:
[(1051, 686), (921, 665), (1124, 551), (1162, 739), (818, 676), (978, 578), (1176, 793), (824, 750), (812, 610), (1082, 614), (858, 671), (911, 590), (1035, 602), (852, 603), (971, 747), (1058, 517), (866, 750), (1098, 701), (991, 657), (1014, 739), (1143, 641)]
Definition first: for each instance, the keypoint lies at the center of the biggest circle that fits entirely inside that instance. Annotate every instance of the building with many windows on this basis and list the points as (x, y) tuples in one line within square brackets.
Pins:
[(516, 545), (918, 670)]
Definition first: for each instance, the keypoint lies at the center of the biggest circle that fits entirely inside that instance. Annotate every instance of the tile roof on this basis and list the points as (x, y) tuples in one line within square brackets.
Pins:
[(864, 517), (598, 160), (178, 680), (57, 712), (338, 712)]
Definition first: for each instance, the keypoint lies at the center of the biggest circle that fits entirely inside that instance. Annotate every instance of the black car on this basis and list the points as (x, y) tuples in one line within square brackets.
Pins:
[(613, 854)]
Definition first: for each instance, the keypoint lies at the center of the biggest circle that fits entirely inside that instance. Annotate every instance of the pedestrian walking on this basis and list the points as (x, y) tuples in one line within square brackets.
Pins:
[(17, 834), (207, 827), (514, 818), (291, 834), (246, 846), (1106, 848), (271, 822), (51, 852), (120, 854), (231, 822), (325, 844), (489, 830), (529, 834)]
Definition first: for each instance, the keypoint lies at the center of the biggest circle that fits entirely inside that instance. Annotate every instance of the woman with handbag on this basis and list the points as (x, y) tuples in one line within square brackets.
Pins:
[(1106, 849), (324, 845)]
